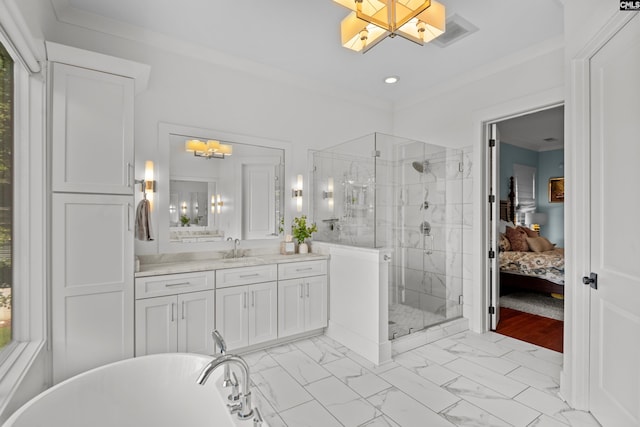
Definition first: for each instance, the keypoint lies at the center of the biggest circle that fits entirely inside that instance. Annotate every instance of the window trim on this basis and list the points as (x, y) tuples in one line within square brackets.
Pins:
[(29, 317)]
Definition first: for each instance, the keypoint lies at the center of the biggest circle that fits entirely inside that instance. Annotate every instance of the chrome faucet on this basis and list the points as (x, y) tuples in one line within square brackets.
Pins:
[(236, 243), (222, 345), (243, 408)]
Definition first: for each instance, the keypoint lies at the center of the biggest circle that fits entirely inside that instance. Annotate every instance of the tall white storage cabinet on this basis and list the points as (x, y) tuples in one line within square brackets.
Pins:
[(92, 211)]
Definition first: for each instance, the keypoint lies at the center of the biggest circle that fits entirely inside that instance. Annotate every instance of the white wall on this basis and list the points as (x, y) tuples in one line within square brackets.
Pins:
[(241, 98)]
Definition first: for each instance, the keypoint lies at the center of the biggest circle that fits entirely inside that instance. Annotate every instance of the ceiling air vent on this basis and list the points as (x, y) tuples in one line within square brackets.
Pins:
[(457, 28)]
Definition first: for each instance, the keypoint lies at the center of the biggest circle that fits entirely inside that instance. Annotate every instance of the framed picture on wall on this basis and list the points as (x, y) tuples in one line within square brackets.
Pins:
[(556, 190)]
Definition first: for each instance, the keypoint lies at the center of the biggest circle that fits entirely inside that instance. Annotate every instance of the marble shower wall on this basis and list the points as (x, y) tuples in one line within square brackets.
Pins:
[(429, 268)]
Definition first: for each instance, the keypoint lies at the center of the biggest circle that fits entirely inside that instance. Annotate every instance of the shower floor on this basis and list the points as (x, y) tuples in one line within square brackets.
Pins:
[(404, 317)]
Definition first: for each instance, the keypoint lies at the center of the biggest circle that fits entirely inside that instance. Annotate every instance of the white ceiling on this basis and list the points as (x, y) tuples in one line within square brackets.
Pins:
[(301, 38), (539, 131)]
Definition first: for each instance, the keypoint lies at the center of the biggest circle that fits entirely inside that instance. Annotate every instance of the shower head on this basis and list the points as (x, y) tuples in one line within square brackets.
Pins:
[(421, 167)]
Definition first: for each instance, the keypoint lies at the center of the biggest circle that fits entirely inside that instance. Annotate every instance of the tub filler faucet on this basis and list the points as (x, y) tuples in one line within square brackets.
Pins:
[(222, 345), (242, 408)]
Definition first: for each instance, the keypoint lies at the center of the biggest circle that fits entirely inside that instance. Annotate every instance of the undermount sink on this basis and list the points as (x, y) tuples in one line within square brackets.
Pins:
[(243, 260)]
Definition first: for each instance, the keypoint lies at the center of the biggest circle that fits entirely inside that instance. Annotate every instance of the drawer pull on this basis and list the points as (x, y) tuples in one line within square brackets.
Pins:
[(171, 285), (304, 269), (244, 276)]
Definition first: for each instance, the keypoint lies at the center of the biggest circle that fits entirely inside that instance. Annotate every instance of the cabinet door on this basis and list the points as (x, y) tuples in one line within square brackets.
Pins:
[(92, 282), (92, 131), (156, 325), (263, 312), (232, 316), (315, 289), (290, 307), (195, 322)]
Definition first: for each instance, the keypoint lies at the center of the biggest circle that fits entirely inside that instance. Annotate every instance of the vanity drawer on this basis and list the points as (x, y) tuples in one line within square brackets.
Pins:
[(172, 284), (246, 275), (293, 270)]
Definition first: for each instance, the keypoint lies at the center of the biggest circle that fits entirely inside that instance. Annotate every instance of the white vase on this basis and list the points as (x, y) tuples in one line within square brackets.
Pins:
[(303, 248)]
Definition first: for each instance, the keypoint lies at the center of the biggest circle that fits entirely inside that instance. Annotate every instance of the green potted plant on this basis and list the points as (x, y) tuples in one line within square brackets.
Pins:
[(184, 220), (301, 232)]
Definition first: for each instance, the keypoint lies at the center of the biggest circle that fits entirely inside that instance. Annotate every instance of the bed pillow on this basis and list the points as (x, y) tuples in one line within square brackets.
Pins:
[(539, 244), (504, 244), (530, 232), (517, 239)]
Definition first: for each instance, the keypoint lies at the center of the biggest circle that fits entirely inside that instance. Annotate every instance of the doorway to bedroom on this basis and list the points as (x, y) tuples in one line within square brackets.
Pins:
[(526, 167)]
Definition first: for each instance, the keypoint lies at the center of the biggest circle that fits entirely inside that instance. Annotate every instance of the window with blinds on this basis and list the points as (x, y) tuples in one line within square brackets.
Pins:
[(6, 194), (525, 183)]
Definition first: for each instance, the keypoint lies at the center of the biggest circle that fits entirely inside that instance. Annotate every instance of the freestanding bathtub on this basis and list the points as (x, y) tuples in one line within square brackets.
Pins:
[(158, 390)]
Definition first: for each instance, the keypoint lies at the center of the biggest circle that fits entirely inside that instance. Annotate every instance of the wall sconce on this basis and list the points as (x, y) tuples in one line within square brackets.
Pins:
[(329, 193), (296, 193), (183, 208), (216, 205), (148, 184)]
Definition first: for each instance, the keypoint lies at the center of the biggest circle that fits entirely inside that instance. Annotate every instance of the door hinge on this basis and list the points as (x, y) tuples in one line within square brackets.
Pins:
[(492, 143), (460, 300), (592, 280), (375, 153), (492, 198), (492, 254), (492, 310)]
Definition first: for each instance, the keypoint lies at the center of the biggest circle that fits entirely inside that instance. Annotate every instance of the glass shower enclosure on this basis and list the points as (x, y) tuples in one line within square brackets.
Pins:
[(383, 191)]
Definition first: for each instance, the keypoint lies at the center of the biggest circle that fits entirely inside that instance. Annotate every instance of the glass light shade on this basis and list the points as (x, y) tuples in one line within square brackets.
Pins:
[(212, 146), (359, 35), (404, 10), (195, 145), (225, 149), (426, 26), (539, 218)]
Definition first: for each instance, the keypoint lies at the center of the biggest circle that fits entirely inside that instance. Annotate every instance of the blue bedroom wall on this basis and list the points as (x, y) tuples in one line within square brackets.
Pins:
[(549, 164)]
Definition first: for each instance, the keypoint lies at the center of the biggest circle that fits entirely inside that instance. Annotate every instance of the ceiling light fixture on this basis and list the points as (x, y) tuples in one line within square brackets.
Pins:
[(372, 20), (391, 79), (209, 150)]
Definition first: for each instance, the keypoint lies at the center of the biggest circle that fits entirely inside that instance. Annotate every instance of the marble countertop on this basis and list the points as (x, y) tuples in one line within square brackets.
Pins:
[(181, 265)]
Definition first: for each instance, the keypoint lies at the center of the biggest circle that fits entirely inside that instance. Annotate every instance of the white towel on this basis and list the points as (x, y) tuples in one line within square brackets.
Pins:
[(143, 220)]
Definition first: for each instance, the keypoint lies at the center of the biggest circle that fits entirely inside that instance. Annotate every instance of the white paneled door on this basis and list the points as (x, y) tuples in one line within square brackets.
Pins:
[(615, 249)]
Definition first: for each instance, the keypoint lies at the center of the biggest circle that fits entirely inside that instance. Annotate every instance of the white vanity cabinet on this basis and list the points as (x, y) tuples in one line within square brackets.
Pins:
[(175, 312), (302, 297), (247, 305)]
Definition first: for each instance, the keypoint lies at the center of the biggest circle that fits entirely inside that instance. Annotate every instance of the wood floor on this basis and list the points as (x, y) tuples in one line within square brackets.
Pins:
[(538, 330)]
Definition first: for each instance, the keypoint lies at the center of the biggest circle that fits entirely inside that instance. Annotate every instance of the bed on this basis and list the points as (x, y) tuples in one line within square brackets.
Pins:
[(525, 269)]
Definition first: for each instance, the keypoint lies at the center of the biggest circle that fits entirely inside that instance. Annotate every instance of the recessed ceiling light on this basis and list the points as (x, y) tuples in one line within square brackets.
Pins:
[(391, 79)]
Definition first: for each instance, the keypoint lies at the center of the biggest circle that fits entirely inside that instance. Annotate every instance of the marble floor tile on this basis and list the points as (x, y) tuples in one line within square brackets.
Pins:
[(420, 389), (381, 421), (465, 414), (343, 403), (486, 377), (543, 402), (310, 414), (536, 379), (464, 380), (358, 378), (320, 351), (280, 389), (301, 367), (405, 411), (501, 406), (535, 363)]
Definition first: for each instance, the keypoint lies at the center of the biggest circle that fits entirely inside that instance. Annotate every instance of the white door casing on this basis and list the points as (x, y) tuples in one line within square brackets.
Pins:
[(494, 220), (614, 392)]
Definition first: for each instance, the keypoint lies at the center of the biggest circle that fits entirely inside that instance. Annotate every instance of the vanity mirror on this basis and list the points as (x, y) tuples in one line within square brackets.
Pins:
[(217, 186)]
